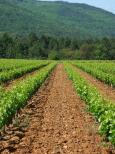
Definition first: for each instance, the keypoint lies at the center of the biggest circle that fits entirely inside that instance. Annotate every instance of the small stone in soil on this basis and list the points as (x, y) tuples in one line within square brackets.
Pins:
[(14, 140)]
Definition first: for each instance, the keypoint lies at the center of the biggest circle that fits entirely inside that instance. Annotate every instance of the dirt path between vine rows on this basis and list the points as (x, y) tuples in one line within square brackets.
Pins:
[(58, 122), (107, 91)]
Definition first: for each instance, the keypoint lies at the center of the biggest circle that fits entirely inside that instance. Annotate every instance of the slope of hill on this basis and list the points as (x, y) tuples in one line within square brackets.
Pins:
[(55, 18), (15, 19)]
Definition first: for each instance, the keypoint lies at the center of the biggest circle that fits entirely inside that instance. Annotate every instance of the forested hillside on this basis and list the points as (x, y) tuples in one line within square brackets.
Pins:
[(55, 19)]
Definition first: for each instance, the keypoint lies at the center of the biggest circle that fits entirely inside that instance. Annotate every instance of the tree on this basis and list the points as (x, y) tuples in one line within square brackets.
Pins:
[(6, 42), (32, 38), (87, 51), (53, 55), (21, 47), (35, 51), (74, 45)]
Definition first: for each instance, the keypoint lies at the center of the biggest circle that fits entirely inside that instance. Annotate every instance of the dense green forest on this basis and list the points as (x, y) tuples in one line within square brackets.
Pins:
[(57, 19), (55, 30), (47, 47)]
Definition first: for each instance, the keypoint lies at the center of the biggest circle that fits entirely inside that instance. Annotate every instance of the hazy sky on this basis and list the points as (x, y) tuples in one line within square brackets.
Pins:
[(105, 4)]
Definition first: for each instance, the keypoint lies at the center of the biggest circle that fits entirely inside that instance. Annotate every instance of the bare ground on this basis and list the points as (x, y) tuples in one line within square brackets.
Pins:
[(107, 91), (58, 123)]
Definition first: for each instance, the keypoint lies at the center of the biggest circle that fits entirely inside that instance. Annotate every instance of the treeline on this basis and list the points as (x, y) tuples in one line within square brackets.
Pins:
[(46, 47)]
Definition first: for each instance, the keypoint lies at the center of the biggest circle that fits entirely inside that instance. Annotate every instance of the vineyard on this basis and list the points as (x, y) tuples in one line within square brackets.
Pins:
[(57, 107)]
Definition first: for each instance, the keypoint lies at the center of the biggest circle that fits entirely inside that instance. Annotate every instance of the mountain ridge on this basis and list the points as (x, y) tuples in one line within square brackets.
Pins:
[(59, 18)]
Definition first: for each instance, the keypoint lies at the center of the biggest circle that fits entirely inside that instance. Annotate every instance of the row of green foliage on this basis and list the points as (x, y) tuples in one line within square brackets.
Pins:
[(17, 72), (107, 66), (13, 100), (99, 72), (103, 110), (10, 64)]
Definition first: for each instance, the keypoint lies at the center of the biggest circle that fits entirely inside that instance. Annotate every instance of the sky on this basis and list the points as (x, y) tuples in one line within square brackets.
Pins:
[(104, 4)]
